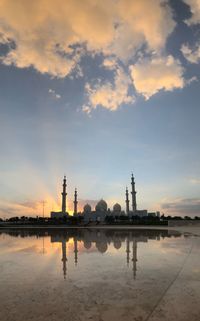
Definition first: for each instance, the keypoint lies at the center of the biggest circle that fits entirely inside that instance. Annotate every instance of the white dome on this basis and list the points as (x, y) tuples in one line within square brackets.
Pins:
[(101, 206), (117, 208), (87, 208)]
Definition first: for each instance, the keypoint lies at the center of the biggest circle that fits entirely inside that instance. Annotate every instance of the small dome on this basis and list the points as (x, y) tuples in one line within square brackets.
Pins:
[(101, 206), (87, 245), (87, 208), (117, 244), (117, 208), (101, 247)]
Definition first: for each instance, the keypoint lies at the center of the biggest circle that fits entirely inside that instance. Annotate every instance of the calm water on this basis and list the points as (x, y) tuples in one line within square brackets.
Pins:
[(97, 274)]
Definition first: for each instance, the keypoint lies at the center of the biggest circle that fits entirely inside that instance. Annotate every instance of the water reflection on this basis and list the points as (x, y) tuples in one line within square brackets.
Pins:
[(108, 275), (99, 238)]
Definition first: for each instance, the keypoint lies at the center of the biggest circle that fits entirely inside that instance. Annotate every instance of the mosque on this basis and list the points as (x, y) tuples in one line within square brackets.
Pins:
[(101, 209)]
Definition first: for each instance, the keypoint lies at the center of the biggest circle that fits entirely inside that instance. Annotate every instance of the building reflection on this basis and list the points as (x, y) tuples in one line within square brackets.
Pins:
[(101, 240), (75, 251), (102, 247), (97, 238), (134, 259)]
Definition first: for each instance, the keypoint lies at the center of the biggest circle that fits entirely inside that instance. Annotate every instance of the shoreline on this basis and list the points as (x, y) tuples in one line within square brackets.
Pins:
[(194, 230)]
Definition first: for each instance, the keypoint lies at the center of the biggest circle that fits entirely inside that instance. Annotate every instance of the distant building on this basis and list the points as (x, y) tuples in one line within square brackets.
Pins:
[(152, 214), (58, 214)]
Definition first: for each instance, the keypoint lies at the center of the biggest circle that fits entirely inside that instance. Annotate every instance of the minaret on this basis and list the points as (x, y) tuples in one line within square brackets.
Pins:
[(64, 194), (64, 258), (133, 192), (127, 202), (75, 202)]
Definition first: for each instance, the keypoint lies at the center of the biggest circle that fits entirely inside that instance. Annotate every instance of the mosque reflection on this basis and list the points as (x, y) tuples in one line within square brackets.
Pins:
[(99, 238), (102, 246)]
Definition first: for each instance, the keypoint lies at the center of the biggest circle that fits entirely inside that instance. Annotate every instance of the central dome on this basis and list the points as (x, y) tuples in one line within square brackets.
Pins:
[(117, 208), (101, 206)]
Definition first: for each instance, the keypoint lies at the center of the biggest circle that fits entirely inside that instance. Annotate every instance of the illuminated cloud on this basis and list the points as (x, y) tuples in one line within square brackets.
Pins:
[(189, 206), (150, 21), (33, 208), (52, 37), (152, 75), (192, 54), (27, 208), (107, 95), (195, 11), (45, 33), (110, 63)]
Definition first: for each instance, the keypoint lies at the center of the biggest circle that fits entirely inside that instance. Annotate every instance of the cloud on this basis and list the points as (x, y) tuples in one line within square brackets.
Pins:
[(45, 32), (26, 208), (52, 37), (54, 94), (30, 204), (110, 63), (192, 54), (152, 75), (107, 95), (195, 11), (195, 181), (188, 206), (152, 28)]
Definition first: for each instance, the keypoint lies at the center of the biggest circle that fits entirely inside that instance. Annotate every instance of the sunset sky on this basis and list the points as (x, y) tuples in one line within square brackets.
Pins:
[(95, 90)]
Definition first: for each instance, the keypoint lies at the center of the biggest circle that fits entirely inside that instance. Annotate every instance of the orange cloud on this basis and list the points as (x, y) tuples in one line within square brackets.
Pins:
[(44, 31), (150, 76), (110, 96), (28, 208), (53, 36)]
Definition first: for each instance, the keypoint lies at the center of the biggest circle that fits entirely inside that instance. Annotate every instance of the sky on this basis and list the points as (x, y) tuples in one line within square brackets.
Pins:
[(97, 90)]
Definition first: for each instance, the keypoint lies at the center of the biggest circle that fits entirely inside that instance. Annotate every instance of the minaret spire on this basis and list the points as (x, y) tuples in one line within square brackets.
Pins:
[(133, 192), (134, 259), (127, 250), (75, 250), (64, 194), (75, 202), (64, 258), (127, 201)]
